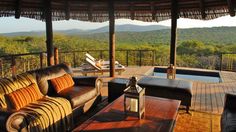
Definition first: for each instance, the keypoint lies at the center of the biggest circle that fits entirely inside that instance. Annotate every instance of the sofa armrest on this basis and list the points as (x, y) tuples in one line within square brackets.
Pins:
[(11, 120), (230, 100), (89, 81), (17, 122)]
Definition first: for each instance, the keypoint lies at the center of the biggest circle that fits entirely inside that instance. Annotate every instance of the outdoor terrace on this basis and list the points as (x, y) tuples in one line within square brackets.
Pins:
[(207, 97), (207, 100)]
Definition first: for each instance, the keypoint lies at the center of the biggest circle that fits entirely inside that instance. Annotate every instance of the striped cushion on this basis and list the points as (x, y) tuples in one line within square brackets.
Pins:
[(24, 96), (49, 114), (8, 85), (62, 82)]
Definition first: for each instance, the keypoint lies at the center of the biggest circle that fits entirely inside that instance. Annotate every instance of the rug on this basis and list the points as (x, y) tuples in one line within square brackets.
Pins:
[(197, 122)]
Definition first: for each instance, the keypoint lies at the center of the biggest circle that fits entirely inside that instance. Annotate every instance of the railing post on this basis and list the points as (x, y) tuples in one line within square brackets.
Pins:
[(101, 54), (13, 66), (24, 66), (41, 59), (153, 57), (74, 59), (127, 58), (28, 65), (221, 59), (1, 67), (140, 58), (56, 56)]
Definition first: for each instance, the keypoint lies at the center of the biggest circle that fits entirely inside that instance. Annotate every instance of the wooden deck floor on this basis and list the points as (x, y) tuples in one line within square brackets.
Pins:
[(207, 97)]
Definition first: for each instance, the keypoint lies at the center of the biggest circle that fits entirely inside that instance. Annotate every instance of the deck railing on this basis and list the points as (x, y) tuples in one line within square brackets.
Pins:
[(228, 62), (18, 63), (11, 65), (125, 57)]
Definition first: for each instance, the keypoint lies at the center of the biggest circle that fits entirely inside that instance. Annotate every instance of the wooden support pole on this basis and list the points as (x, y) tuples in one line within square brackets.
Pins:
[(174, 17), (49, 33), (18, 9), (56, 56), (112, 38)]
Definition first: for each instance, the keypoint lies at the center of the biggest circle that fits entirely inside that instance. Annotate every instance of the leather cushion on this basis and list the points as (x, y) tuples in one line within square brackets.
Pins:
[(78, 95), (24, 96), (164, 84), (168, 88), (63, 82)]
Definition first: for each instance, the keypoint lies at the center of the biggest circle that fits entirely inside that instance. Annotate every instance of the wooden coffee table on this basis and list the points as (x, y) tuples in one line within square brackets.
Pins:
[(160, 116)]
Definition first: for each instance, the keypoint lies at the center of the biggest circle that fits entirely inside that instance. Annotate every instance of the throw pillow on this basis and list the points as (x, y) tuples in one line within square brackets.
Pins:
[(24, 96), (63, 82), (98, 64)]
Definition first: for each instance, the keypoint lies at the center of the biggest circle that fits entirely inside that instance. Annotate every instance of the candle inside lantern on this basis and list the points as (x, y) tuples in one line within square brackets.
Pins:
[(134, 105)]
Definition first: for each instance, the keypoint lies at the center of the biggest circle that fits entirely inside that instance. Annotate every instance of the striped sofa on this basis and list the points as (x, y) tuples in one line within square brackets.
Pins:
[(29, 101)]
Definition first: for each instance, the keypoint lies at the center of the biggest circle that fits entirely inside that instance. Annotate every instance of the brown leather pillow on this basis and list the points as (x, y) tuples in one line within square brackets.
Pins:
[(63, 82), (24, 96)]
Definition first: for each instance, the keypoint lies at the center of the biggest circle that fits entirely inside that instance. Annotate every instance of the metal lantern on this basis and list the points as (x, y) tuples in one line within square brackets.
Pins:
[(134, 99), (171, 72)]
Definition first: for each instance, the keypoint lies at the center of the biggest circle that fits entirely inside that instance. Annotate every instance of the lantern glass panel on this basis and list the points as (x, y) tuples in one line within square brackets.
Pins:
[(131, 104)]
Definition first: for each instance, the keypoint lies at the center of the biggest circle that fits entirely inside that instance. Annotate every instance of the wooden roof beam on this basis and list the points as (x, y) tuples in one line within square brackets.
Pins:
[(132, 10), (18, 9), (153, 10), (231, 8), (67, 10), (90, 10), (203, 9)]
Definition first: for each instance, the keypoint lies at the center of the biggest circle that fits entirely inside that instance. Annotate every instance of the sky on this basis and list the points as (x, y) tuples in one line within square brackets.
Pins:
[(10, 24)]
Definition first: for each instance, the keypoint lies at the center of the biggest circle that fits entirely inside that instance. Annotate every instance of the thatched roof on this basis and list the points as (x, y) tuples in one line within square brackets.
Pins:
[(97, 10)]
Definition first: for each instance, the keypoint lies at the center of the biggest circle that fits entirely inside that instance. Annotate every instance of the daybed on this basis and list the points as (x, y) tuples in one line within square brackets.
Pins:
[(87, 55), (97, 67), (228, 117), (46, 99)]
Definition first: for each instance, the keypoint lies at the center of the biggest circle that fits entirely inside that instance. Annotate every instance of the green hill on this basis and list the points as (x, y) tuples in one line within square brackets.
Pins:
[(215, 35)]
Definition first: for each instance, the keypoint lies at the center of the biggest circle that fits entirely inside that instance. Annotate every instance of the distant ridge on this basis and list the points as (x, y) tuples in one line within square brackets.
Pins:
[(131, 28), (118, 28)]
